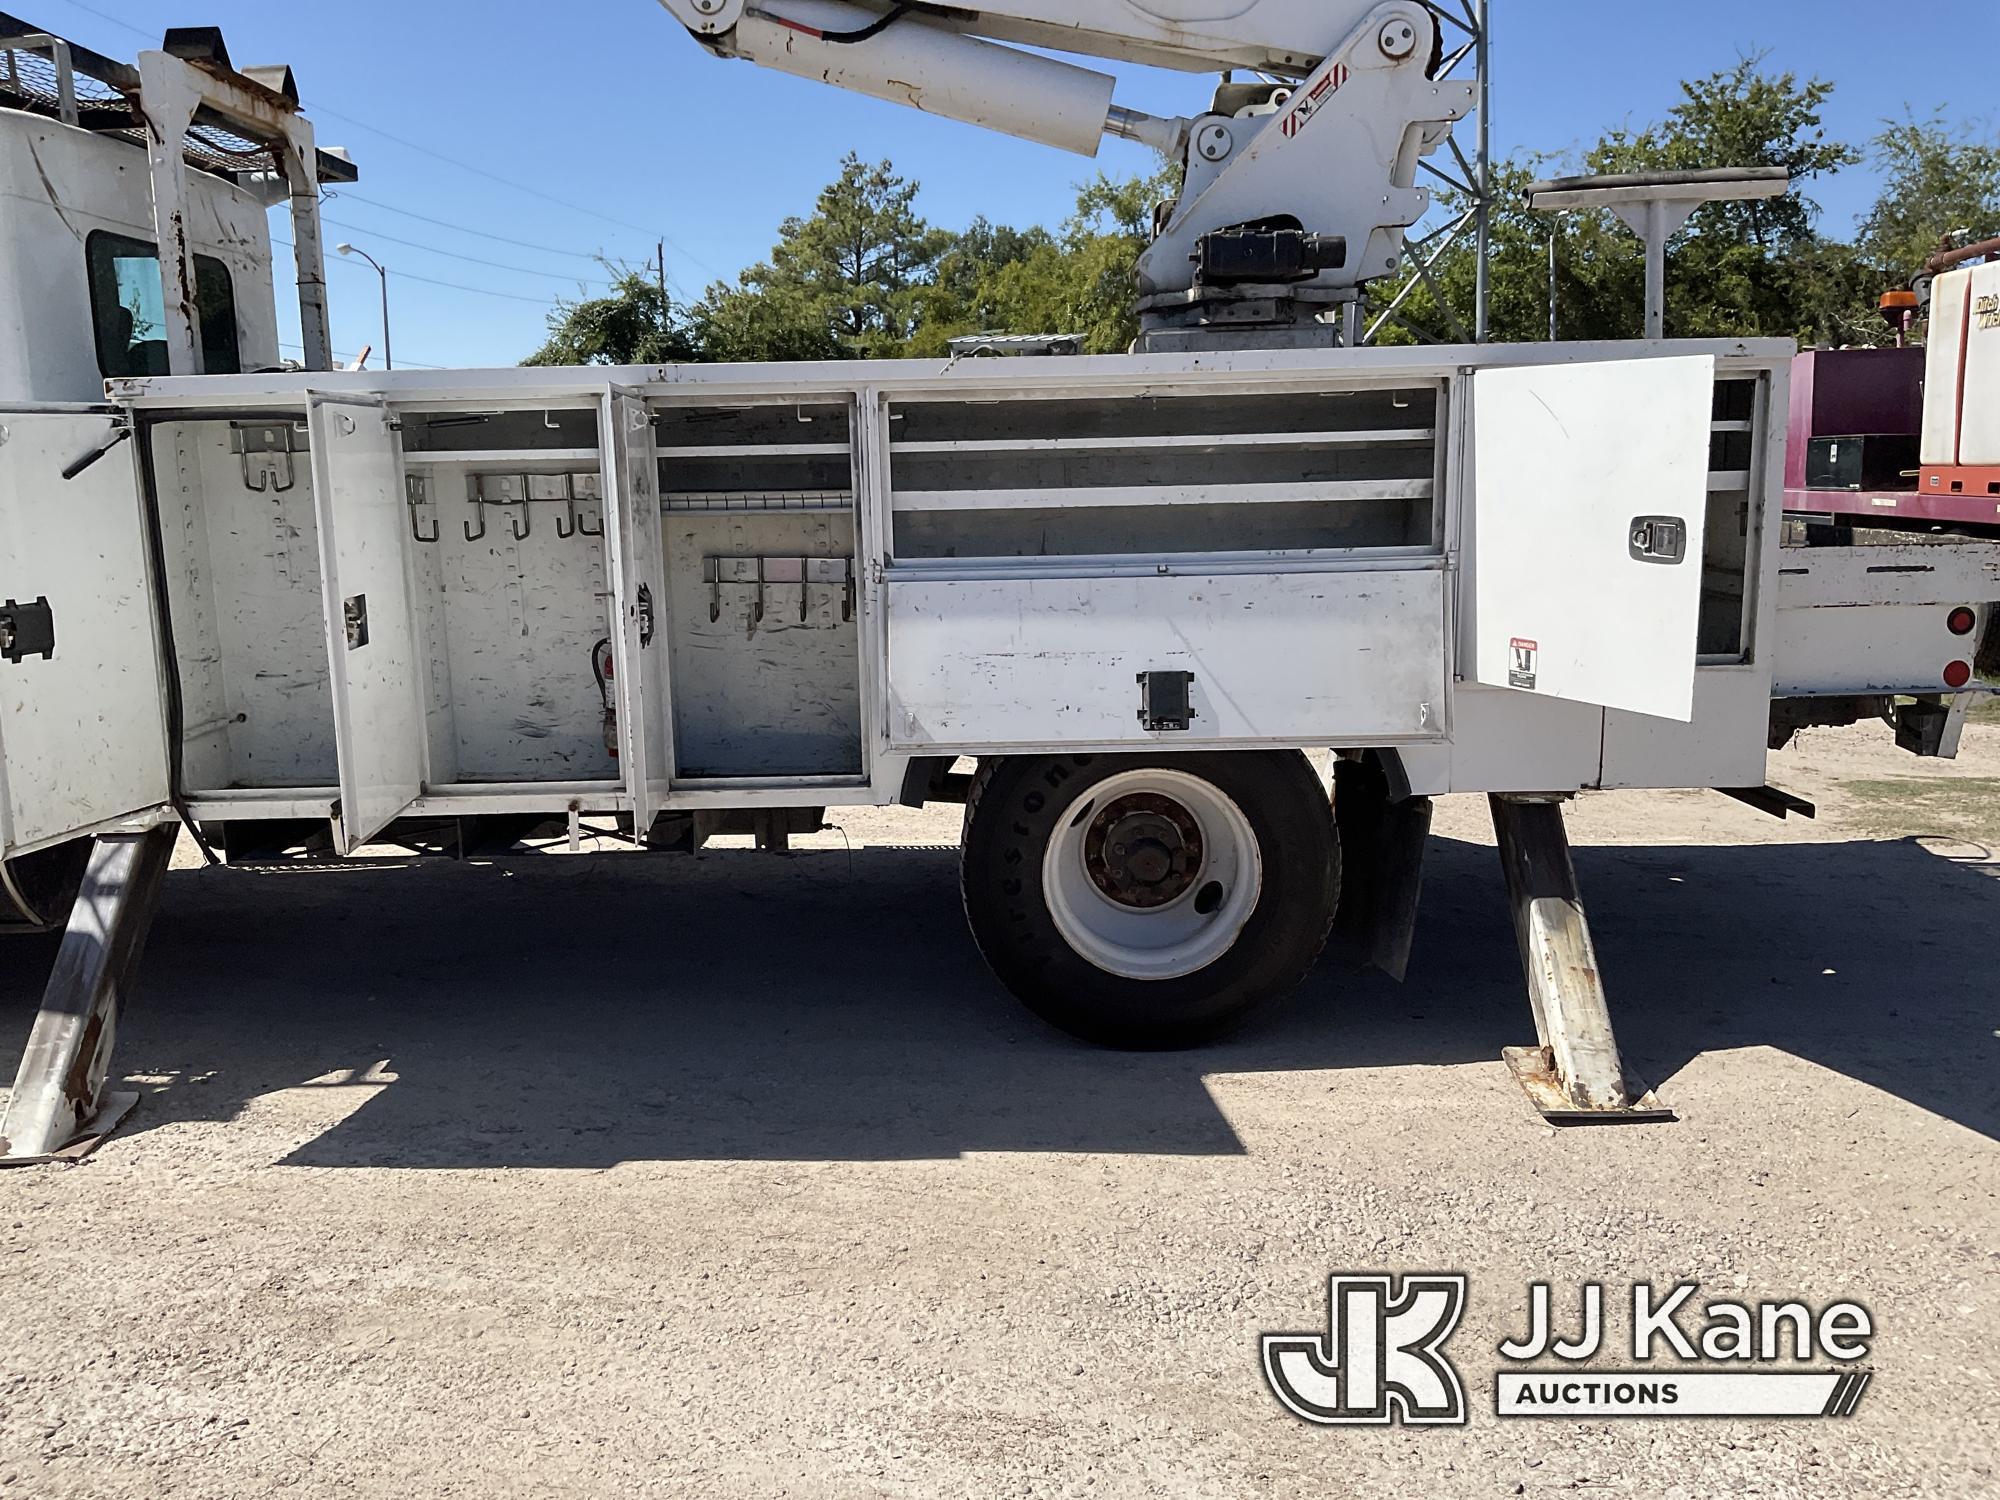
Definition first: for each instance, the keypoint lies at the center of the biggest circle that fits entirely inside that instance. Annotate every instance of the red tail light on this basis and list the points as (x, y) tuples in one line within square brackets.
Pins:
[(1962, 621), (1957, 675)]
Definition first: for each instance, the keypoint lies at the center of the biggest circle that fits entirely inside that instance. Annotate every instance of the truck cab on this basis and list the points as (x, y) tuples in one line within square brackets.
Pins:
[(83, 297), (80, 291)]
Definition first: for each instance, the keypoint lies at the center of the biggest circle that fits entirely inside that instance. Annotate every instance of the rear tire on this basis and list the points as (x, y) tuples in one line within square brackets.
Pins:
[(1150, 902)]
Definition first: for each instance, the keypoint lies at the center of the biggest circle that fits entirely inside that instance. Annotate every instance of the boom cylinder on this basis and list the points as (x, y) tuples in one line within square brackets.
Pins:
[(940, 72)]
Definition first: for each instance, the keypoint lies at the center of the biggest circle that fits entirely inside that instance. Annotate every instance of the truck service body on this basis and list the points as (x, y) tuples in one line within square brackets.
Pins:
[(1147, 594)]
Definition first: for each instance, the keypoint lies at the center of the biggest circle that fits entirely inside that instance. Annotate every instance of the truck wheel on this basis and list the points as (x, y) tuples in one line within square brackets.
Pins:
[(1150, 903)]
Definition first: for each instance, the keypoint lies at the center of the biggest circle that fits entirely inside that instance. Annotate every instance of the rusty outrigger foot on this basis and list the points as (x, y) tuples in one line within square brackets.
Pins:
[(1535, 1070), (1574, 1074), (60, 1108)]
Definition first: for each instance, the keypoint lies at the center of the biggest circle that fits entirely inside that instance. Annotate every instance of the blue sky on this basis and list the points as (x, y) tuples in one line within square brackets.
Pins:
[(599, 127)]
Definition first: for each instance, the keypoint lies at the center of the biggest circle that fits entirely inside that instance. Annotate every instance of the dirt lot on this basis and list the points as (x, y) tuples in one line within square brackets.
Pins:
[(740, 1177)]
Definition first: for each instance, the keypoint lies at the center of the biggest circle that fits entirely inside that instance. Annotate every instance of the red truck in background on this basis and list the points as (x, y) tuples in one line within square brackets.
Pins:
[(1907, 437)]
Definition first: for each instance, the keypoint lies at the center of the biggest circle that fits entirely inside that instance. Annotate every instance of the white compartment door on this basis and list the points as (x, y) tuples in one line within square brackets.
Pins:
[(378, 722), (1590, 495), (83, 739), (639, 595)]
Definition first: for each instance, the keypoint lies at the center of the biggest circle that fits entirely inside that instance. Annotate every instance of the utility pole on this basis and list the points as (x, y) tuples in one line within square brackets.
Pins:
[(1482, 296), (1553, 335), (663, 271)]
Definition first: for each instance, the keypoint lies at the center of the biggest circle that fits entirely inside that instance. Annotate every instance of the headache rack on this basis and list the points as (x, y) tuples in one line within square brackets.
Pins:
[(189, 110), (42, 73)]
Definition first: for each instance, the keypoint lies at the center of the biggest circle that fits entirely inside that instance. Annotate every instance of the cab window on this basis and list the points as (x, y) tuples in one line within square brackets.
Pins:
[(130, 317)]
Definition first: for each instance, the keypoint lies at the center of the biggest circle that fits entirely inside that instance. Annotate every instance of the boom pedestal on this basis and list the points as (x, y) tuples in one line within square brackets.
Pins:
[(59, 1105), (1574, 1075)]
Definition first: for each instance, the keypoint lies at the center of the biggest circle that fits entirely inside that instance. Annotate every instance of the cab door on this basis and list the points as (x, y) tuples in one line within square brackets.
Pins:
[(371, 633), (83, 741), (1590, 500)]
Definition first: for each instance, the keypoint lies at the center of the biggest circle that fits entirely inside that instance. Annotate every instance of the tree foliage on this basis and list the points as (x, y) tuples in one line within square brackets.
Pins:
[(1738, 269), (865, 276), (635, 324), (1937, 184), (846, 281)]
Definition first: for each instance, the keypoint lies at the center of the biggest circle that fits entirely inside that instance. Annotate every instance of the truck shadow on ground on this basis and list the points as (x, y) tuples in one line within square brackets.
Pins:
[(581, 1013)]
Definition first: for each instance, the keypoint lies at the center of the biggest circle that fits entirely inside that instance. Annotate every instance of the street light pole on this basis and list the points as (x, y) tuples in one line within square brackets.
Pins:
[(388, 357)]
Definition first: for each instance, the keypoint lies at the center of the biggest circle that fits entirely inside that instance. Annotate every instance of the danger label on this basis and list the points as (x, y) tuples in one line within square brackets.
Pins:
[(1523, 664)]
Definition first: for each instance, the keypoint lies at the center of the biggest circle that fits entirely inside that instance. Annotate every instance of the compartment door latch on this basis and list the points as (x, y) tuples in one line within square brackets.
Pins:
[(27, 630), (1166, 701), (1659, 539), (354, 618)]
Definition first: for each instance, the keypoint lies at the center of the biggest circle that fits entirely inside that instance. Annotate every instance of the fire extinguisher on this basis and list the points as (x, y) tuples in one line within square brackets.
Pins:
[(604, 667)]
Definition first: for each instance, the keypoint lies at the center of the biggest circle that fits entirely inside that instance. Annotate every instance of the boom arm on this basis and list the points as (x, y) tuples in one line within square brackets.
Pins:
[(1298, 188), (1194, 36)]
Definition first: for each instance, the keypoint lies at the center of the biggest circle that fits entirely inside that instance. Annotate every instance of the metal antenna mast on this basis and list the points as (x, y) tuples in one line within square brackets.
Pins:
[(1467, 52)]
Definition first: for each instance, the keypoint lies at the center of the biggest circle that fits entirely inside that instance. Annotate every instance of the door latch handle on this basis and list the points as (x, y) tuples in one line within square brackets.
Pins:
[(27, 630), (1659, 539)]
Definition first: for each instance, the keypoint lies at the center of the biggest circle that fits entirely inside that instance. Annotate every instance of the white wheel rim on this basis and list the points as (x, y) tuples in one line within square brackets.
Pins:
[(1204, 902)]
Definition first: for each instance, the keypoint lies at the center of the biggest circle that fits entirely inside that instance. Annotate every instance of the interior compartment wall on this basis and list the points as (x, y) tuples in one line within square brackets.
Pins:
[(243, 581), (513, 657), (772, 698)]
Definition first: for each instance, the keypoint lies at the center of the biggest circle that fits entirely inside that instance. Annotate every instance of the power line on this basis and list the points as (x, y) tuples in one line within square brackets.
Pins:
[(463, 166), (104, 15), (469, 259), (456, 286), (415, 364), (466, 166), (343, 195)]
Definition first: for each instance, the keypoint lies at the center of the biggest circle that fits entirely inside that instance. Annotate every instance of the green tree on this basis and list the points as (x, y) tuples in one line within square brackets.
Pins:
[(848, 279), (635, 324), (1084, 281), (959, 299), (1937, 183), (1739, 269)]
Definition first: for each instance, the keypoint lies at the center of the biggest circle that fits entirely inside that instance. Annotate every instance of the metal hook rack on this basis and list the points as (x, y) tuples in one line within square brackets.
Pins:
[(589, 488), (265, 449), (418, 494), (509, 490), (519, 493)]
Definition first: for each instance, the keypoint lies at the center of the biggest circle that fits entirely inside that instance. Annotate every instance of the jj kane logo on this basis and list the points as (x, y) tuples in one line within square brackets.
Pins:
[(1382, 1360)]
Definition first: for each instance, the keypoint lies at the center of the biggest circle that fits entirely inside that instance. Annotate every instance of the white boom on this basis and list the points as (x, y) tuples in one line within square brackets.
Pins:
[(1298, 186)]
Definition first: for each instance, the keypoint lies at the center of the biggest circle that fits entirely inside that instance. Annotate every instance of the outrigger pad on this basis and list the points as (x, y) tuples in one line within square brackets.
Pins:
[(1534, 1069), (91, 1134)]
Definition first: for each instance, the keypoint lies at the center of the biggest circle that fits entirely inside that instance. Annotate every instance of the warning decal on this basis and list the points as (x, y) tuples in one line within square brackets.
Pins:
[(1523, 666)]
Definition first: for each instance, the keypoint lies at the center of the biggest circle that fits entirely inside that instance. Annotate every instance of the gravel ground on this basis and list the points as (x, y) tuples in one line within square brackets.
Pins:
[(735, 1176)]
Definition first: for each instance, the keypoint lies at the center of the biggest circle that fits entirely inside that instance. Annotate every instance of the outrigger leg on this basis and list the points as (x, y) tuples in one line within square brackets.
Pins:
[(59, 1107), (1574, 1075)]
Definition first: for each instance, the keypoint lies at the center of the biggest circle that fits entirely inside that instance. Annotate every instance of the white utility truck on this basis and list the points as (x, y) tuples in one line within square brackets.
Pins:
[(1148, 593)]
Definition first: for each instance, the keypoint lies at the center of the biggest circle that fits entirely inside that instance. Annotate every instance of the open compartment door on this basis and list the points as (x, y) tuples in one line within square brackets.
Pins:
[(639, 592), (1590, 497), (83, 739), (378, 725)]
